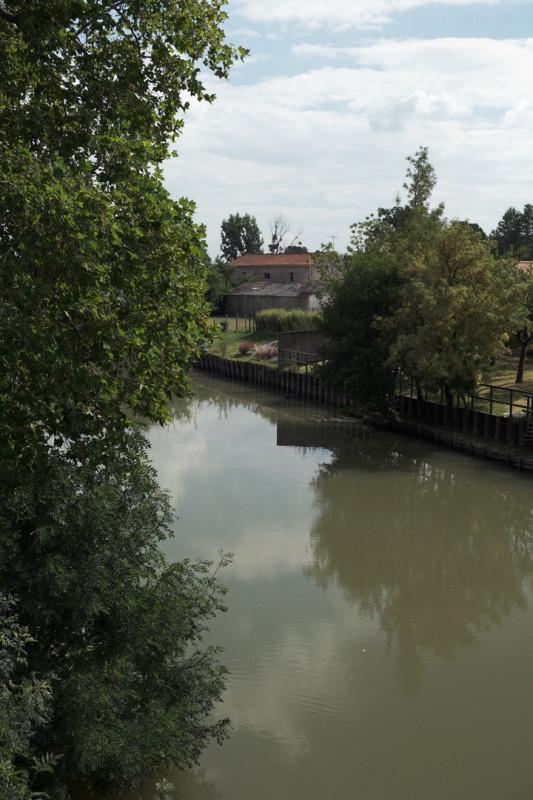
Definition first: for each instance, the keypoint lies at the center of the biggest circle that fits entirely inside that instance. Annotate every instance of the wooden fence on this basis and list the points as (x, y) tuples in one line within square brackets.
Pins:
[(512, 430), (489, 399), (294, 360), (480, 449), (292, 383)]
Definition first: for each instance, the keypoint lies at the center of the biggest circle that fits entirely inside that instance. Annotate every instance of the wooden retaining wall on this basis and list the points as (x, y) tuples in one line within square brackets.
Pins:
[(506, 429), (291, 383), (456, 442)]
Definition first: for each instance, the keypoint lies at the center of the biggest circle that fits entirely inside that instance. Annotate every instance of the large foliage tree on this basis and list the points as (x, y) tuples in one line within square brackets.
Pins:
[(524, 334), (25, 708), (417, 294), (103, 299), (220, 279), (115, 626), (363, 290), (357, 289), (456, 306), (102, 306), (107, 80), (101, 272), (240, 235)]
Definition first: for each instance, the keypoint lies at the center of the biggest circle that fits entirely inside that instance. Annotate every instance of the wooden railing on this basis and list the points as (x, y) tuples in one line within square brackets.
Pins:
[(488, 399), (294, 360)]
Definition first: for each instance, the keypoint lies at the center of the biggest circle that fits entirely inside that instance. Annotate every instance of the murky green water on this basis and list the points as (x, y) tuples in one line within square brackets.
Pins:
[(379, 629)]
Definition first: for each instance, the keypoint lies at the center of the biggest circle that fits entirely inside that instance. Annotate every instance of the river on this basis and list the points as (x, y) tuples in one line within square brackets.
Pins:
[(379, 630)]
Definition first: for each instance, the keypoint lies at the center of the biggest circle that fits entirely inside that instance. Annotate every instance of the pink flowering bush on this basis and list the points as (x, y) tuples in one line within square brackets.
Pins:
[(266, 351)]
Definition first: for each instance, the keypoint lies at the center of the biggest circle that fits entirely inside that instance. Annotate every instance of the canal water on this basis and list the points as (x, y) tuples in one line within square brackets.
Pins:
[(379, 630)]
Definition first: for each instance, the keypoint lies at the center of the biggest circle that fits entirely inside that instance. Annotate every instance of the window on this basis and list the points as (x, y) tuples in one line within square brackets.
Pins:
[(291, 276), (266, 276)]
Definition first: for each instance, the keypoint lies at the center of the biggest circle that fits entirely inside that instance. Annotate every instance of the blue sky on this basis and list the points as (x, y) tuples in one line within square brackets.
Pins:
[(317, 122)]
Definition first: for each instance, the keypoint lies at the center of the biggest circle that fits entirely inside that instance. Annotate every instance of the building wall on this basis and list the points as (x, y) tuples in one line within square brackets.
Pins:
[(278, 274), (301, 341)]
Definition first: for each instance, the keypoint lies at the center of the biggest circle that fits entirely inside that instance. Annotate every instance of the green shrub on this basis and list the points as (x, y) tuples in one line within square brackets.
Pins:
[(278, 320)]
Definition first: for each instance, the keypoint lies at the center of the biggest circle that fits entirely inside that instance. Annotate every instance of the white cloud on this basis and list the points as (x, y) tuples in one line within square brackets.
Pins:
[(327, 146), (338, 14)]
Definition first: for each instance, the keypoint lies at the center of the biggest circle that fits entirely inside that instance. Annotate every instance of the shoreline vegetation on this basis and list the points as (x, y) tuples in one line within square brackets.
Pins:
[(502, 377), (226, 344)]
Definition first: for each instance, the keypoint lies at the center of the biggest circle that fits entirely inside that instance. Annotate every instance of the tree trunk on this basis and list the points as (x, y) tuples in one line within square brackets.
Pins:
[(449, 396), (524, 341)]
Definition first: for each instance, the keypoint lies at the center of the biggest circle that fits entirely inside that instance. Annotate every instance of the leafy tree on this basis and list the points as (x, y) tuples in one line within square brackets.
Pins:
[(362, 293), (101, 273), (477, 228), (456, 306), (420, 179), (361, 288), (103, 299), (117, 627), (527, 231), (106, 80), (514, 233), (24, 709), (296, 248), (240, 235), (525, 332), (220, 279), (419, 295), (103, 306), (411, 227)]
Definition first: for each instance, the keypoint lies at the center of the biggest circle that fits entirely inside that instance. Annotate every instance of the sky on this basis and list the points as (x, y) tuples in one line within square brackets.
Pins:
[(317, 122)]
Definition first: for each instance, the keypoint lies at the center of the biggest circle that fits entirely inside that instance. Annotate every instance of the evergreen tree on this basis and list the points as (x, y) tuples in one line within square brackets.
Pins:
[(240, 235), (514, 233)]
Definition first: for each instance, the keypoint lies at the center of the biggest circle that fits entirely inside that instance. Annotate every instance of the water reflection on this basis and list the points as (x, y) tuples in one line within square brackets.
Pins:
[(208, 395), (421, 548), (379, 621)]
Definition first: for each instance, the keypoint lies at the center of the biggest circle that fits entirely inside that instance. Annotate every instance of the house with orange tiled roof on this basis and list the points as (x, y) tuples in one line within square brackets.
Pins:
[(273, 280), (275, 268)]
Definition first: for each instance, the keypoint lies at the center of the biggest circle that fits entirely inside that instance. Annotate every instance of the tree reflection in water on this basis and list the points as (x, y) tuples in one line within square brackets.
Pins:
[(434, 558)]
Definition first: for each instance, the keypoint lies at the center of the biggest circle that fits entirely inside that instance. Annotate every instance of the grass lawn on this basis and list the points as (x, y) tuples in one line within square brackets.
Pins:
[(503, 377), (505, 373), (495, 396), (226, 344)]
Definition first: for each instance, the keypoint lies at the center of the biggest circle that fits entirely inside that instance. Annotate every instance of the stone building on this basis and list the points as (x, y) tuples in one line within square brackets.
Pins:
[(273, 280), (276, 268)]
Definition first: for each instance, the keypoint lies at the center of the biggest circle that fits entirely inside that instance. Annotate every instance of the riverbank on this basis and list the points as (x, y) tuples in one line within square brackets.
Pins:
[(311, 388), (507, 454)]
